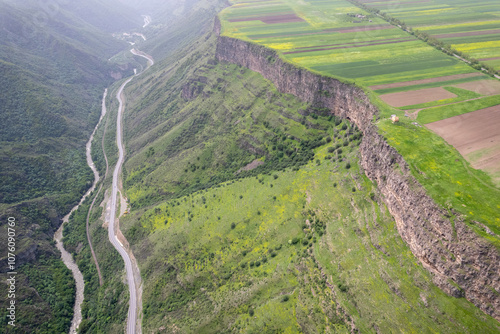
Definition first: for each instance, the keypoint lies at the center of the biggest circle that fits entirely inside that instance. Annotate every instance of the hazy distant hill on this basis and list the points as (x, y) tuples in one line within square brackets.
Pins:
[(53, 71)]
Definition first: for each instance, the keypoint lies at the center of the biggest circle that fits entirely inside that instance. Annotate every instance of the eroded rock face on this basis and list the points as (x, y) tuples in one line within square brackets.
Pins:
[(463, 264)]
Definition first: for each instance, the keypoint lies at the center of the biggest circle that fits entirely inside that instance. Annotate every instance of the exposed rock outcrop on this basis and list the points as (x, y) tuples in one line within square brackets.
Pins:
[(463, 263), (193, 88)]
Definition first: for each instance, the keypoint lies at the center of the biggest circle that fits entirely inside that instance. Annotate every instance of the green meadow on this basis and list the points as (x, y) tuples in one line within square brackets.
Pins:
[(443, 112), (438, 17)]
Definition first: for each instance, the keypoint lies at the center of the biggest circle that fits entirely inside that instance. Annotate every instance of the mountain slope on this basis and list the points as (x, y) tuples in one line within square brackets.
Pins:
[(54, 69), (301, 243)]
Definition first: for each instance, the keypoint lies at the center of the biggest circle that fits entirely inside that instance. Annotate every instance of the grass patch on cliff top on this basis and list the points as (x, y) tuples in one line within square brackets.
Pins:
[(446, 175), (443, 112)]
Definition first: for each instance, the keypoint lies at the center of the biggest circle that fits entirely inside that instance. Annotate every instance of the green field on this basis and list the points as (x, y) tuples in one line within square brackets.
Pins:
[(325, 41), (444, 19), (322, 32)]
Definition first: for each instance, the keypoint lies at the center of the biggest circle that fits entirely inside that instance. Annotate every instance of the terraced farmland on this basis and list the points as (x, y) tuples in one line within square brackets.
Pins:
[(337, 38)]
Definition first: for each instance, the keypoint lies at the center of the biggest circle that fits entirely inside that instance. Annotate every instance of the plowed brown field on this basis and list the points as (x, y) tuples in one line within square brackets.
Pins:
[(412, 97), (476, 135)]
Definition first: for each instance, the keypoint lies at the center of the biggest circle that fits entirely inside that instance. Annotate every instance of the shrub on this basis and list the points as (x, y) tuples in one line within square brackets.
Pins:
[(257, 264), (275, 176), (295, 240), (251, 312), (348, 165), (342, 288), (285, 298), (331, 149), (233, 225)]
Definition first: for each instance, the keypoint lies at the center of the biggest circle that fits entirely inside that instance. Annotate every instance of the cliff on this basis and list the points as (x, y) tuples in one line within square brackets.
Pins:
[(463, 264)]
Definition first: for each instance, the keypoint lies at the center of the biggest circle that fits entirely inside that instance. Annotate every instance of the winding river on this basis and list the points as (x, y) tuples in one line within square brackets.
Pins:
[(130, 266), (58, 236)]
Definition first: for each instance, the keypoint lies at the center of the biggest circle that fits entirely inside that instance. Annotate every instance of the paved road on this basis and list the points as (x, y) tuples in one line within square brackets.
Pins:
[(132, 311)]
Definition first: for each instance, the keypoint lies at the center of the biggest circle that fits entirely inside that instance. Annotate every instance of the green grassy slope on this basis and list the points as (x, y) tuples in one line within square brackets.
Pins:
[(292, 246)]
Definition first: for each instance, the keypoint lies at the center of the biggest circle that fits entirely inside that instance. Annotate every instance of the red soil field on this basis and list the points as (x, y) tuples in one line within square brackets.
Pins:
[(271, 19), (361, 29), (349, 46), (402, 99), (486, 59), (353, 43), (426, 81), (476, 135), (468, 33), (483, 87), (281, 19)]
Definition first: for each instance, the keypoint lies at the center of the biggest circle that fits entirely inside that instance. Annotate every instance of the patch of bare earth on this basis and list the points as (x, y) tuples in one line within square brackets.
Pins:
[(483, 87), (281, 19), (476, 136), (361, 29), (352, 43), (254, 164), (350, 46), (402, 99), (426, 81), (271, 19), (468, 33), (486, 59)]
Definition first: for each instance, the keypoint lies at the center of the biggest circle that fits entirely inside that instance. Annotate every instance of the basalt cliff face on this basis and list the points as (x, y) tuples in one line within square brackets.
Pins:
[(463, 263)]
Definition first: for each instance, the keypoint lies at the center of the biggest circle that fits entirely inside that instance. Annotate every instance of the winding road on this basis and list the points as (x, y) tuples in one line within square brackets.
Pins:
[(135, 296)]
